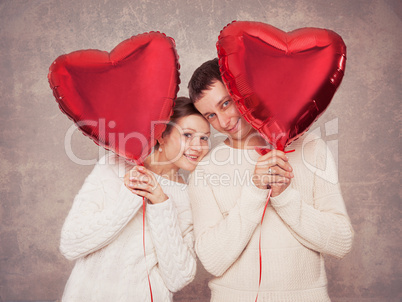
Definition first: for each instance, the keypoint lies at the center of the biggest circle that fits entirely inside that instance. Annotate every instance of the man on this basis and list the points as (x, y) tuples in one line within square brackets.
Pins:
[(305, 218)]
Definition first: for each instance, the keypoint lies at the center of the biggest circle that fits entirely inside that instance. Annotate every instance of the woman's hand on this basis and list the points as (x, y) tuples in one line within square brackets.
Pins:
[(273, 171), (142, 182)]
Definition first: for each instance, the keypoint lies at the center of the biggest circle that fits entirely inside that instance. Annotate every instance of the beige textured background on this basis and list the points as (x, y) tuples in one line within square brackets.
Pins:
[(38, 180)]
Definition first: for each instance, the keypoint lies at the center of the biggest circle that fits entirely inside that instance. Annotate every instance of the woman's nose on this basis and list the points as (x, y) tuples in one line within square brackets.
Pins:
[(195, 143)]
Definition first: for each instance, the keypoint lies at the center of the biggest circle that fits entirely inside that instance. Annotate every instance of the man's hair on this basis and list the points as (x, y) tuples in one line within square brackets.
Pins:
[(202, 79)]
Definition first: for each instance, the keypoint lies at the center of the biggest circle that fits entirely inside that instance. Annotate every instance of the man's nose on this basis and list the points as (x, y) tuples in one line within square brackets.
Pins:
[(224, 121)]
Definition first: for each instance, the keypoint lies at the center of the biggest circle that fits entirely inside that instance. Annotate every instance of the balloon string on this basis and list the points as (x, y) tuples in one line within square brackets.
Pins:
[(259, 245), (144, 204), (143, 243), (263, 151)]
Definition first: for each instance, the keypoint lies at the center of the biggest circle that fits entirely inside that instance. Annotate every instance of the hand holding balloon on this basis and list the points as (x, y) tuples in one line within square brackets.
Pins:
[(142, 182), (273, 171)]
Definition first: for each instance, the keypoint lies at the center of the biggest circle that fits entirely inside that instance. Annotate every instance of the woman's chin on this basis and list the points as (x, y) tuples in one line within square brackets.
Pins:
[(187, 165)]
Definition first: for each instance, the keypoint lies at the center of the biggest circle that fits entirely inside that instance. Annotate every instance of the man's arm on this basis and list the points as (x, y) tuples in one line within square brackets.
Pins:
[(220, 240), (323, 224)]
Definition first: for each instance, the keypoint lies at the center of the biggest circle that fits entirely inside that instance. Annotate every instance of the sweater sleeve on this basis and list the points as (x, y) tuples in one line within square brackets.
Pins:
[(220, 239), (322, 225), (172, 235), (100, 210)]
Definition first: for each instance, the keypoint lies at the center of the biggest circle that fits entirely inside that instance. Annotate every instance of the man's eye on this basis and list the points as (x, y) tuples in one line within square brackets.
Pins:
[(225, 103), (188, 135), (211, 116), (205, 138)]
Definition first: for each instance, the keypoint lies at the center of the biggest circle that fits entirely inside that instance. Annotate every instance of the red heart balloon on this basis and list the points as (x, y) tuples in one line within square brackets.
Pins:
[(119, 98), (281, 82)]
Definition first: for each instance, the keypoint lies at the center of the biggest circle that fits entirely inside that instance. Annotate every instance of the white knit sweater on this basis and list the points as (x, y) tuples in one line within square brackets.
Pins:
[(103, 231), (305, 221)]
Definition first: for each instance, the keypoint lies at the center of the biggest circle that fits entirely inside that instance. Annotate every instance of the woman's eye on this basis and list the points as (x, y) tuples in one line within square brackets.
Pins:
[(205, 138), (225, 104)]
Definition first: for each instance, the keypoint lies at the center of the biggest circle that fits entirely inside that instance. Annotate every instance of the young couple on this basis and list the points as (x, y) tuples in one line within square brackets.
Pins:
[(305, 218)]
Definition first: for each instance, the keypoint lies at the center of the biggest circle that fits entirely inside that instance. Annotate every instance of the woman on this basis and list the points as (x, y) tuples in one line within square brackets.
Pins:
[(104, 229)]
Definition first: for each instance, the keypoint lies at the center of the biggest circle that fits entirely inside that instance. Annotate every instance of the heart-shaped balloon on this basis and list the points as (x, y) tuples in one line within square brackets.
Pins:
[(281, 81), (120, 99)]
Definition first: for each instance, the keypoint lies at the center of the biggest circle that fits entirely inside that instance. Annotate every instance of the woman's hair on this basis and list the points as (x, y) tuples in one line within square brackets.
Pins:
[(183, 107), (202, 79)]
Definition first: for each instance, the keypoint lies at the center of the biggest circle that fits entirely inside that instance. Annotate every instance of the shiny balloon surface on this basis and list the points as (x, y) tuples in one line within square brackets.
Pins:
[(281, 81), (120, 99)]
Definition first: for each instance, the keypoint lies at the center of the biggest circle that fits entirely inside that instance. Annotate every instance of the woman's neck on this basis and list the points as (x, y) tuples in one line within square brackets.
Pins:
[(157, 163)]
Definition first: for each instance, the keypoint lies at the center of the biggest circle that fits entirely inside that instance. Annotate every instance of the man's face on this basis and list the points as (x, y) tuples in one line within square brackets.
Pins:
[(218, 108)]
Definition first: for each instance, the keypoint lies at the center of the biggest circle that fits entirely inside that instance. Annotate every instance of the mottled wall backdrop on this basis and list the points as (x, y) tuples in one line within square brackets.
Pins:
[(39, 173)]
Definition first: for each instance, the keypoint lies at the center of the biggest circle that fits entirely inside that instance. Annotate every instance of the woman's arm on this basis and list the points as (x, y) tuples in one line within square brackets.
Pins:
[(172, 235), (220, 240), (171, 227), (101, 209), (322, 225)]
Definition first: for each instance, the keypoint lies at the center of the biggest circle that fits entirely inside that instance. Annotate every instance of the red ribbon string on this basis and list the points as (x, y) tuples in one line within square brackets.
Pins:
[(144, 204), (259, 246), (264, 151)]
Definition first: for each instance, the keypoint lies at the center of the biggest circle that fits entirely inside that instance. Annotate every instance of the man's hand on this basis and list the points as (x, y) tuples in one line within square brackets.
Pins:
[(273, 171)]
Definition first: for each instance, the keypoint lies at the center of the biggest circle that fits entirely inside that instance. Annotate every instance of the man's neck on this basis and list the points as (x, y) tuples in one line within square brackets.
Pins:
[(252, 141)]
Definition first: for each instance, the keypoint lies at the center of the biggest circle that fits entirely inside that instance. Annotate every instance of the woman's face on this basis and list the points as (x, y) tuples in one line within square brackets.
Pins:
[(187, 143)]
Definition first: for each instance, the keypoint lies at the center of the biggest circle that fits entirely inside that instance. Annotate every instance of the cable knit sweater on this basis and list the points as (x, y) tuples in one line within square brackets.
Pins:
[(301, 224), (103, 231)]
